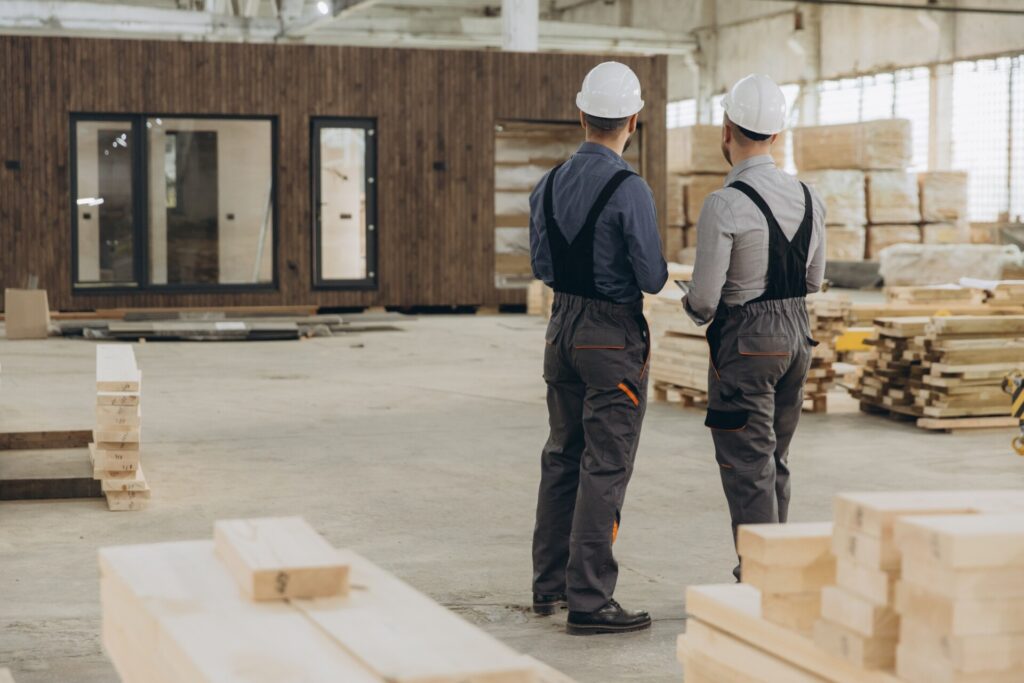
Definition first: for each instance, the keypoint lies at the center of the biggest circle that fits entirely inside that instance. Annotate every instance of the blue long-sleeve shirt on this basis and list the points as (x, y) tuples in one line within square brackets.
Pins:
[(627, 246)]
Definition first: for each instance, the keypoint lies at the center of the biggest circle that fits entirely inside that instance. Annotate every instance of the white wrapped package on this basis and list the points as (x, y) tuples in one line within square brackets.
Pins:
[(936, 264)]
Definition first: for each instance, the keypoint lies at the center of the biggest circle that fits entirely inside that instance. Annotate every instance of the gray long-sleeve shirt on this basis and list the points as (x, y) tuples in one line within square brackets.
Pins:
[(627, 245), (732, 238)]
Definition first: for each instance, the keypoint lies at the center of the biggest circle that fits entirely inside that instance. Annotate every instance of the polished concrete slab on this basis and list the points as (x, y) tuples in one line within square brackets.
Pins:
[(418, 448)]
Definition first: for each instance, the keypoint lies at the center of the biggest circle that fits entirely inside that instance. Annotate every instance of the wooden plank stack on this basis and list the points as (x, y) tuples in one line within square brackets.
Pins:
[(696, 168), (961, 598), (870, 146), (175, 613), (924, 583), (829, 318), (115, 449), (523, 153), (539, 299), (789, 564)]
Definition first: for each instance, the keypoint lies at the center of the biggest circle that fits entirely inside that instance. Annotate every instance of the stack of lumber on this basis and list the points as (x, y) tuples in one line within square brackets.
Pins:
[(1005, 293), (523, 153), (679, 350), (858, 622), (728, 639), (961, 598), (939, 295), (268, 600), (789, 564), (696, 168), (872, 201), (115, 449), (944, 207), (829, 317), (964, 360), (843, 193)]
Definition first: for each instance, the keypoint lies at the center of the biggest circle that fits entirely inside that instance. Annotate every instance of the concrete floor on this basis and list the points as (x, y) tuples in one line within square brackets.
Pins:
[(419, 449)]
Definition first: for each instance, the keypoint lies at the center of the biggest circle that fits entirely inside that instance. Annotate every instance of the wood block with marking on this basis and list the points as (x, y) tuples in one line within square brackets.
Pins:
[(785, 545), (110, 436), (280, 557), (874, 585), (753, 664), (867, 551), (127, 500), (868, 653), (969, 654), (125, 481), (118, 460), (796, 611), (104, 398), (874, 513), (965, 541), (960, 617), (116, 369), (860, 616)]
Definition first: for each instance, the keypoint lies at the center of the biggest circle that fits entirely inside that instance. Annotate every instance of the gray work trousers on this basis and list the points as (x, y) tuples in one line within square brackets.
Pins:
[(595, 366), (760, 355)]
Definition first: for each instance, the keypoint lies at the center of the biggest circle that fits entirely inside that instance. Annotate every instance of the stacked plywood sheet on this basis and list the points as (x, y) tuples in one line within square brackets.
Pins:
[(178, 613), (679, 349), (843, 193), (935, 295), (116, 440), (892, 197), (961, 598), (789, 564), (524, 152), (539, 299), (944, 207)]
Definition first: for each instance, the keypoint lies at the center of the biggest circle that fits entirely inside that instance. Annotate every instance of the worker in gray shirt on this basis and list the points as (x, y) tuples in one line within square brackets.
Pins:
[(594, 239), (760, 251)]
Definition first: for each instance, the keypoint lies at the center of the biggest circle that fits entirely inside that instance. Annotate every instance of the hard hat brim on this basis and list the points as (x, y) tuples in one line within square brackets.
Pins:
[(583, 107)]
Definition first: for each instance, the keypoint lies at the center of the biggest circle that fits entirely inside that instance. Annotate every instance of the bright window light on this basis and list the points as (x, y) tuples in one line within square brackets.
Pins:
[(323, 7)]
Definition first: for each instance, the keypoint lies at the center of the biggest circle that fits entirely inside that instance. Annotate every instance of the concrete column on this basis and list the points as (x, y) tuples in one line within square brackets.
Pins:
[(520, 22), (940, 109)]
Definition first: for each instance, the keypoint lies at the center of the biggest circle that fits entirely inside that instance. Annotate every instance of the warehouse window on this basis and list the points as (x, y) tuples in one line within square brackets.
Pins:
[(982, 134), (345, 203), (170, 202), (1017, 142), (681, 113)]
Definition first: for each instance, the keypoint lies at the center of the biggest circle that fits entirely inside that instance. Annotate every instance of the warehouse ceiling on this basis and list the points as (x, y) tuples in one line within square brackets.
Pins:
[(396, 23)]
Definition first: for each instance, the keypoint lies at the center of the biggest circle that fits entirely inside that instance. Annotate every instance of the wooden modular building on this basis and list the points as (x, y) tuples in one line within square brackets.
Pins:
[(144, 174)]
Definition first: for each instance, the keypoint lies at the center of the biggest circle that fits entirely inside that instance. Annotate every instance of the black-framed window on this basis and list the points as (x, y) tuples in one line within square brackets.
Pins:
[(173, 202), (344, 169)]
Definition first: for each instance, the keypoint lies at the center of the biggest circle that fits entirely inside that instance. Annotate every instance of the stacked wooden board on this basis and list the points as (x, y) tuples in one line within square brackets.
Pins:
[(728, 638), (828, 315), (680, 356), (176, 613), (872, 201), (789, 564), (696, 168), (961, 598), (523, 153), (539, 299), (947, 370), (115, 449)]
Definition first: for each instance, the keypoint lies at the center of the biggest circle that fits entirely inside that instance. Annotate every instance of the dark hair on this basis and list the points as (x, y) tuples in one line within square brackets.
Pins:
[(606, 125), (757, 137)]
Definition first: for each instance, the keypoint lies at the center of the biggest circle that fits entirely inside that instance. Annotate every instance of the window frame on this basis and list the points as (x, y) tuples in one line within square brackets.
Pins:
[(369, 125), (140, 207)]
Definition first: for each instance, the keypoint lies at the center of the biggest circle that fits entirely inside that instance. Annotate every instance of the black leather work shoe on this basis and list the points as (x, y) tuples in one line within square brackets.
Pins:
[(546, 605), (609, 619)]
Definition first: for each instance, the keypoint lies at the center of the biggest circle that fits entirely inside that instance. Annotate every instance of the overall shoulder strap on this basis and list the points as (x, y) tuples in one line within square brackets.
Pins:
[(759, 202), (604, 197), (549, 198), (807, 225)]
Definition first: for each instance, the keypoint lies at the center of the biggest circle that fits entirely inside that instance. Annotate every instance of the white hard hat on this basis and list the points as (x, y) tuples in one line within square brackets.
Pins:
[(610, 91), (757, 104)]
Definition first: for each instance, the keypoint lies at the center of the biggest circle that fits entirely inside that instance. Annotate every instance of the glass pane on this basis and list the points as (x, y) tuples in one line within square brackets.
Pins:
[(913, 101), (681, 113), (211, 213), (1017, 153), (342, 204), (981, 99), (103, 197)]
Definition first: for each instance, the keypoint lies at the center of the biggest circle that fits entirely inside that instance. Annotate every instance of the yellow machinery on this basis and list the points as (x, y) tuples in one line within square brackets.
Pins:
[(1013, 384)]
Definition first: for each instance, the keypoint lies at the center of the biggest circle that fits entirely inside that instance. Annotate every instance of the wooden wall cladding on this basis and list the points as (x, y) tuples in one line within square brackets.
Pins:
[(435, 110)]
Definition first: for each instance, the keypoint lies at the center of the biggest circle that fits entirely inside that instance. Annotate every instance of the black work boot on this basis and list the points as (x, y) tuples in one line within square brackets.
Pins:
[(546, 605), (609, 619)]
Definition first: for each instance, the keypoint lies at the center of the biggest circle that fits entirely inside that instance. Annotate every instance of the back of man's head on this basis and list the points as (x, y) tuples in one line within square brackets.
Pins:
[(598, 126)]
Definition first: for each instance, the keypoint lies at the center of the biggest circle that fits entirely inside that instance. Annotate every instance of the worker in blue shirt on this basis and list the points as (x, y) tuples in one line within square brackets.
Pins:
[(593, 239)]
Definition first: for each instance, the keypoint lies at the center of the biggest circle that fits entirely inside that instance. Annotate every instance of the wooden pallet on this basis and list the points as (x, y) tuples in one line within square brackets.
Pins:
[(684, 396), (48, 487), (951, 425)]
